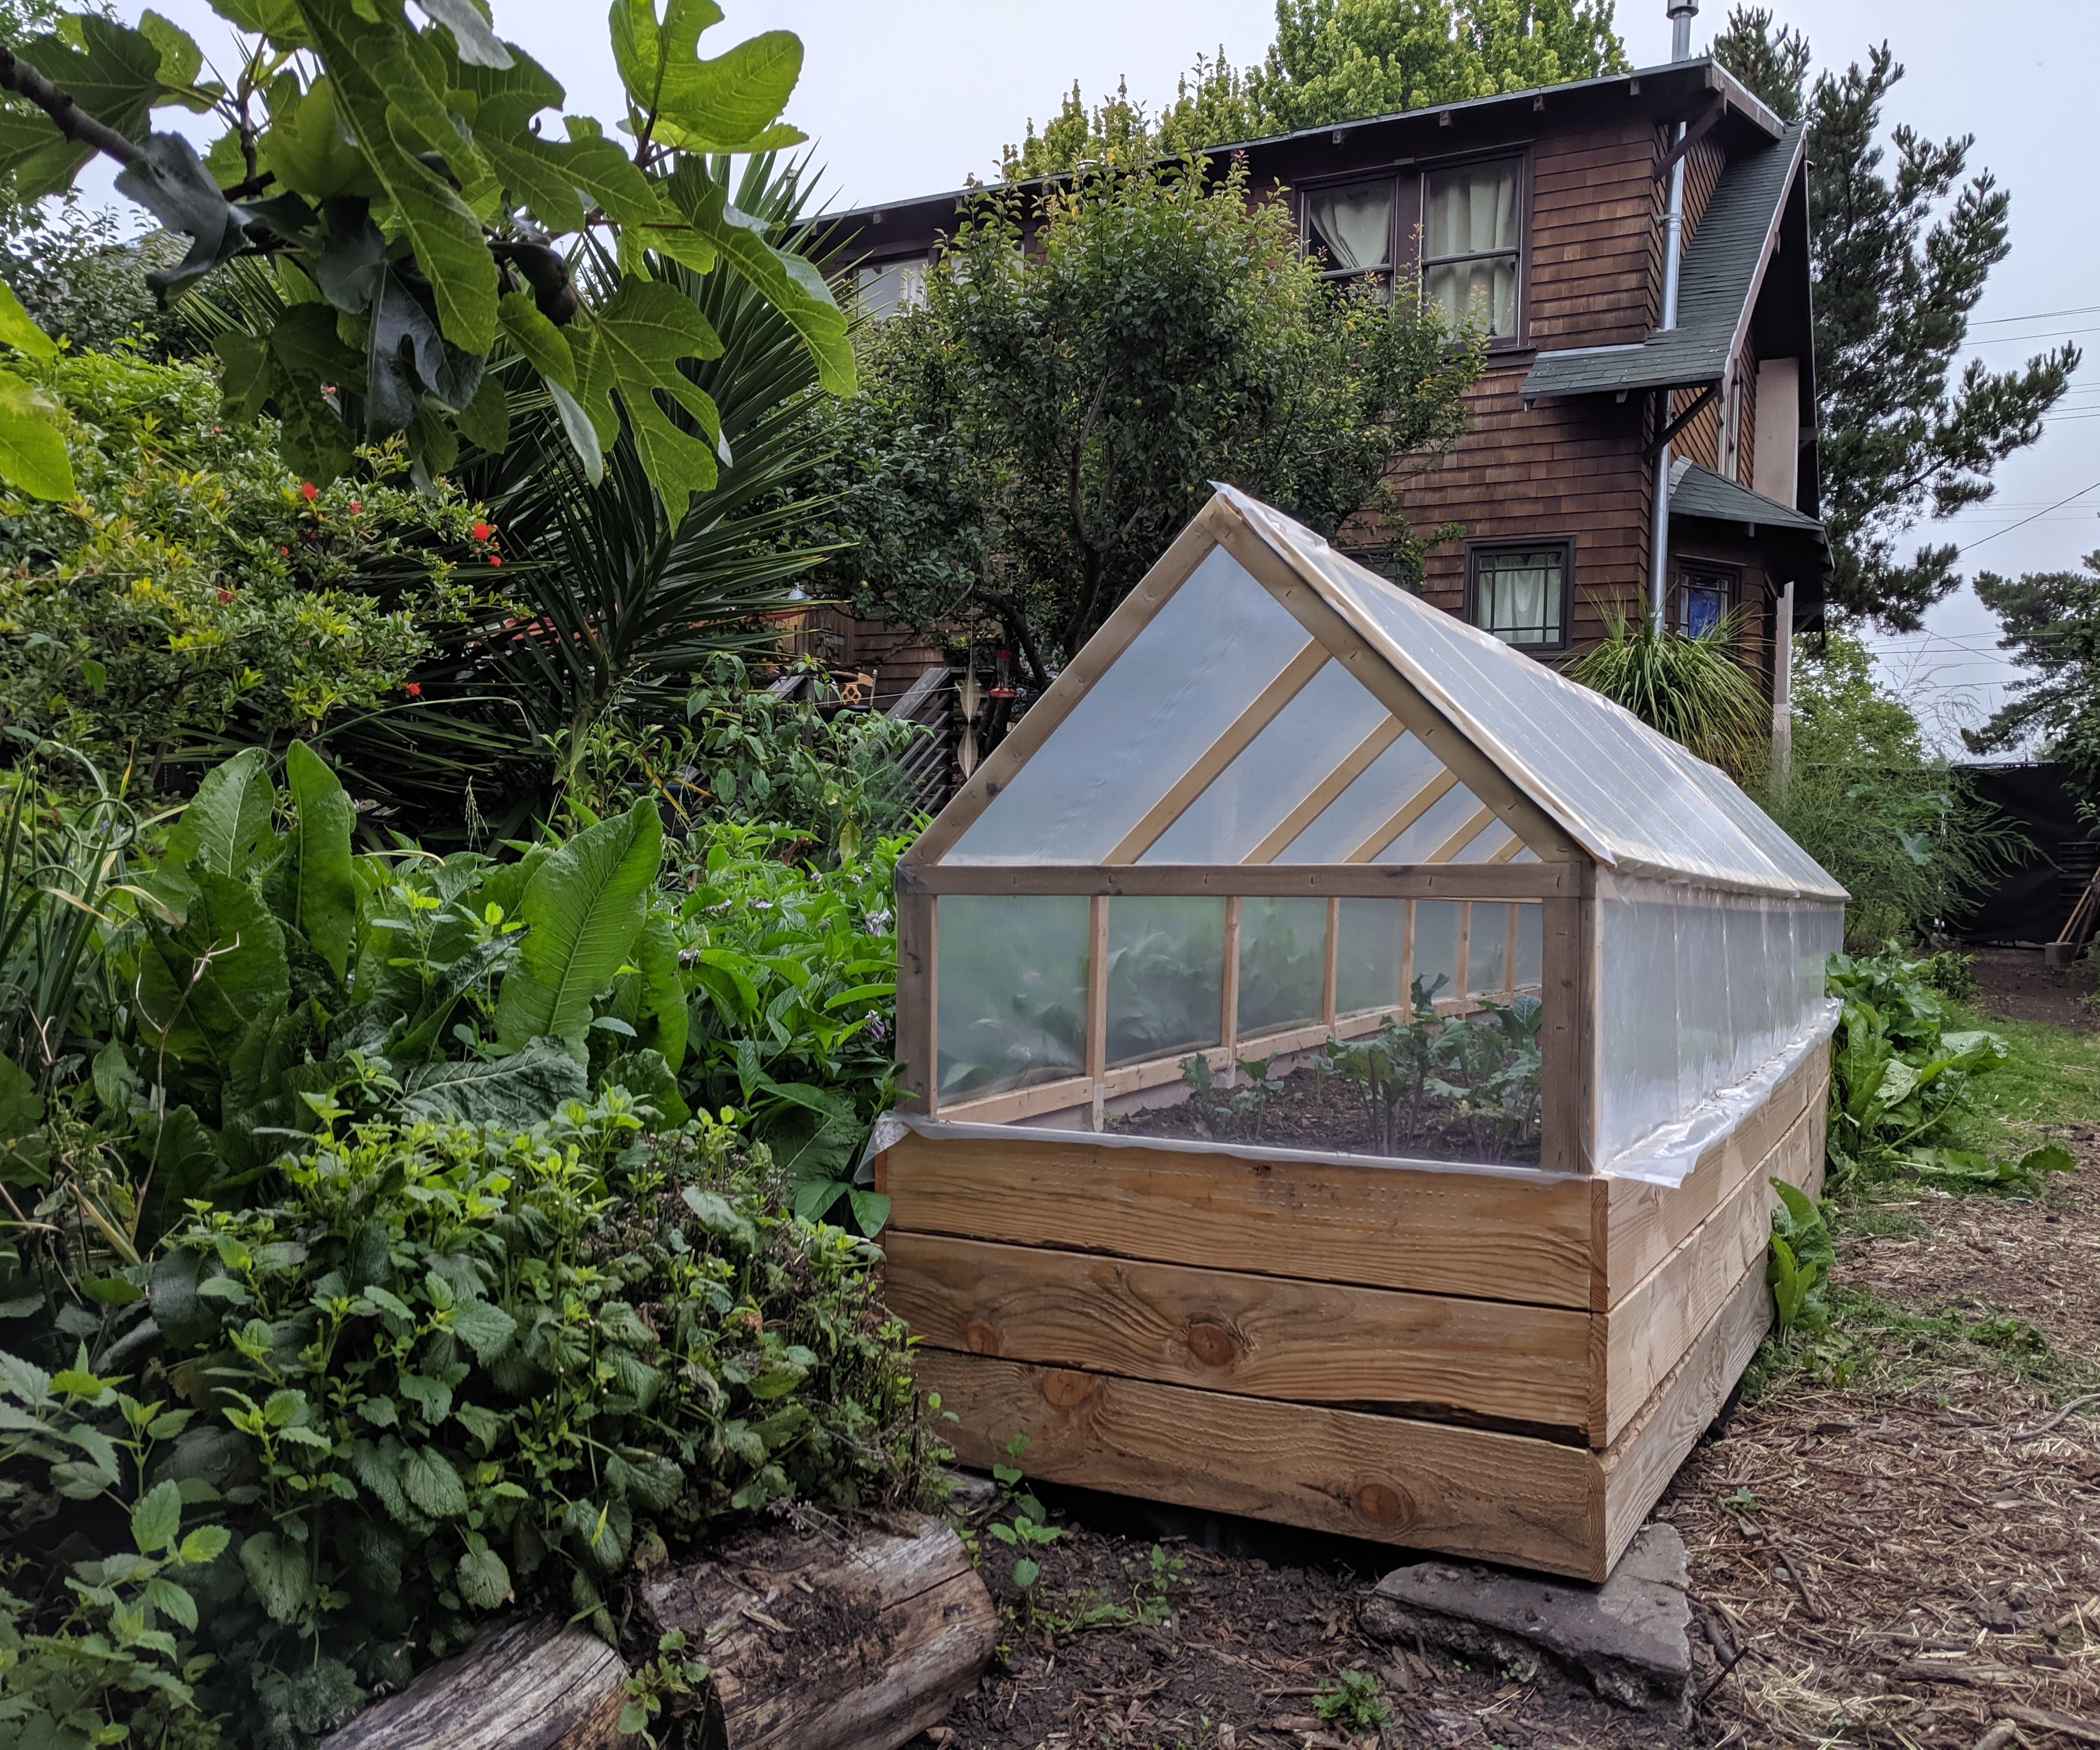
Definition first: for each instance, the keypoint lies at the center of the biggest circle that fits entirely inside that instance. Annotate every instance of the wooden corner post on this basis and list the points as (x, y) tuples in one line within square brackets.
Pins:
[(1567, 942), (915, 981)]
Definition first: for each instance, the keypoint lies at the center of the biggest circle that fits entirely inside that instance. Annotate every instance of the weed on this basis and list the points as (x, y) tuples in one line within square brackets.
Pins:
[(669, 1682), (1353, 1699), (1743, 1500), (1230, 1109), (1799, 1268), (1025, 1532)]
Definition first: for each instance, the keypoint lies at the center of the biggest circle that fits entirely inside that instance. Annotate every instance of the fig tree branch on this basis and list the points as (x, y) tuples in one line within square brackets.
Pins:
[(18, 76)]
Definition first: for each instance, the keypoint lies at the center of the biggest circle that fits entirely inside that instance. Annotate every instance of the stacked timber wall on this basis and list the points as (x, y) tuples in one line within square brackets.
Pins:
[(1494, 1364)]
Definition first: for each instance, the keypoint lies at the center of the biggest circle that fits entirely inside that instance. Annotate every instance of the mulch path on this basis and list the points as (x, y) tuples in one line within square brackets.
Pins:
[(1895, 1540)]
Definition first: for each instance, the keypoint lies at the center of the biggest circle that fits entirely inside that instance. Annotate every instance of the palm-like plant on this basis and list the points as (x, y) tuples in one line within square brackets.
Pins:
[(614, 606), (1692, 686)]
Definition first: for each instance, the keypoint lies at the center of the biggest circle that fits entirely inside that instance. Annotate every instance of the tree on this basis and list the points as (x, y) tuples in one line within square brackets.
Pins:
[(1338, 60), (2052, 626), (1898, 260), (398, 173), (1033, 436)]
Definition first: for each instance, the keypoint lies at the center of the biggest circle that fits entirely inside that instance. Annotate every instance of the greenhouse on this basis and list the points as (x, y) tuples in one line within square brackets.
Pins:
[(1314, 1001)]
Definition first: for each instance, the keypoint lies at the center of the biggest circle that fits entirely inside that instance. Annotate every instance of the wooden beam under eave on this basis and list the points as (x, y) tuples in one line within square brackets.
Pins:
[(1354, 765), (1404, 816), (1238, 735)]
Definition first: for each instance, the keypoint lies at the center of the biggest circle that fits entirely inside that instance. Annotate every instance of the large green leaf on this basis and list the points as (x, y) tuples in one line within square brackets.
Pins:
[(323, 888), (518, 1091), (582, 911), (18, 329), (33, 449), (663, 988), (791, 283), (309, 151), (223, 828), (385, 99), (201, 986), (731, 104), (636, 343)]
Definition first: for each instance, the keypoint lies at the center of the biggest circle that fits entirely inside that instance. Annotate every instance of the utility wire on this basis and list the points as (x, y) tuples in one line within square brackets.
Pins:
[(1966, 546)]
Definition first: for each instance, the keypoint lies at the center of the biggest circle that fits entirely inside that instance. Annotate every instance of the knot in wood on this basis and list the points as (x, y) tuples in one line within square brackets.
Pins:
[(1213, 1344), (1065, 1386), (1384, 1505), (981, 1337)]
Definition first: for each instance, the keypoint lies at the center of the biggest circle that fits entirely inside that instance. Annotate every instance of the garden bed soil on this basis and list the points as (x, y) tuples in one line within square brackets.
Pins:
[(2014, 981), (1327, 1115), (1894, 1536)]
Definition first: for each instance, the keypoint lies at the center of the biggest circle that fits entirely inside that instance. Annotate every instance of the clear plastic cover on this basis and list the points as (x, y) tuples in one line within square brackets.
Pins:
[(1488, 950), (1437, 948), (1370, 939), (1376, 795), (1530, 947), (1434, 829), (1167, 975), (1283, 963), (1011, 1008), (1700, 991), (1218, 641), (1279, 768)]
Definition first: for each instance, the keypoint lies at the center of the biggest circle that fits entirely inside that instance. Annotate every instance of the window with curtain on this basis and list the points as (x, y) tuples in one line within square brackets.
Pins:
[(1469, 244), (1352, 227), (1520, 593), (1704, 599)]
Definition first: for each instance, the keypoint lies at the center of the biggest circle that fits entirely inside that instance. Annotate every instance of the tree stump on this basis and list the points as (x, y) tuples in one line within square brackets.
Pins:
[(838, 1642)]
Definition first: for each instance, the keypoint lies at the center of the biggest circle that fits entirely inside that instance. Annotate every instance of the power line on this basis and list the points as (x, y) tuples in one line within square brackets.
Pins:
[(2037, 517), (2033, 315)]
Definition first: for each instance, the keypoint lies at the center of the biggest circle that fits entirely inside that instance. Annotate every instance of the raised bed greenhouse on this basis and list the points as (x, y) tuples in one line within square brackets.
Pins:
[(1345, 1063)]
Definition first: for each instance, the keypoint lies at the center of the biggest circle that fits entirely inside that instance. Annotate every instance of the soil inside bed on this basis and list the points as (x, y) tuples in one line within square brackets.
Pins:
[(1321, 1113)]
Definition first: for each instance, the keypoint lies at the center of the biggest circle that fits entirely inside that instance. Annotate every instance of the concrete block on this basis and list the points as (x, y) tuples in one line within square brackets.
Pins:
[(1629, 1639)]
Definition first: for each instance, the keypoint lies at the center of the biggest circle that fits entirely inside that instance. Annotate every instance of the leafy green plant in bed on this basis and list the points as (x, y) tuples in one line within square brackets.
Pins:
[(1237, 1107), (445, 1367), (1391, 1069), (1489, 1067)]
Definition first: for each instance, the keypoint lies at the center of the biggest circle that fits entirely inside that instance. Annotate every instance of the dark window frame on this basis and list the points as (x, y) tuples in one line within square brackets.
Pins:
[(1717, 570), (1403, 246), (1478, 550)]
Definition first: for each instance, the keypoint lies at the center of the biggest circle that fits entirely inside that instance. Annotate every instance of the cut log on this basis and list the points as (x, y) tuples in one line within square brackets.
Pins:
[(831, 1642), (528, 1684)]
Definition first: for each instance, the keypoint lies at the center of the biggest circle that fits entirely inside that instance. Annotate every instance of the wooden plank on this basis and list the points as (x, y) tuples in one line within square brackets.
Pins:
[(1566, 1063), (1228, 1023), (1354, 765), (1228, 747), (1357, 880), (1406, 816), (1097, 998), (916, 984), (1094, 658), (1488, 1497), (1508, 1233), (1329, 966), (1303, 597), (1638, 1466), (1645, 1222), (1657, 1321), (1220, 1331)]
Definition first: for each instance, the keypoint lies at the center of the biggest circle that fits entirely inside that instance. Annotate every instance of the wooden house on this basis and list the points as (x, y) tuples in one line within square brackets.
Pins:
[(1280, 810), (1615, 421)]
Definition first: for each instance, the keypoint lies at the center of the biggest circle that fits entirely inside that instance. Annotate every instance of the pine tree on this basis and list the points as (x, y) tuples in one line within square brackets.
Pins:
[(1899, 260), (2052, 627)]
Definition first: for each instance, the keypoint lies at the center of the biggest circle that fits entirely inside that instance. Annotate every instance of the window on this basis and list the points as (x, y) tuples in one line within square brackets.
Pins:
[(1704, 598), (885, 287), (1352, 227), (1519, 592), (1469, 244)]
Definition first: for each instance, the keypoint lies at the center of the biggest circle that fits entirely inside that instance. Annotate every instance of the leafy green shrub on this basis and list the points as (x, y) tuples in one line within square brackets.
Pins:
[(1901, 1082), (1798, 1269), (451, 1366), (193, 598)]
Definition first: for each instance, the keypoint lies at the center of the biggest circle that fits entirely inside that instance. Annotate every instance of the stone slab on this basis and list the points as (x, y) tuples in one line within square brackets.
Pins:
[(1629, 1639)]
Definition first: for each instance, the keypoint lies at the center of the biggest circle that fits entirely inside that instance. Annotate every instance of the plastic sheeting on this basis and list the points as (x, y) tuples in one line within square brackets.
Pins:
[(1012, 1006), (1699, 993)]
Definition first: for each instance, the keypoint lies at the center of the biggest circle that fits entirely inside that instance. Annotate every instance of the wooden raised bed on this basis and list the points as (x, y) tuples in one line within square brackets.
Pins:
[(1503, 1365)]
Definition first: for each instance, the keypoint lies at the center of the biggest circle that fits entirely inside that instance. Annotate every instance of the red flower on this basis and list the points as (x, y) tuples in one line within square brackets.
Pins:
[(483, 531), (308, 490), (354, 507), (413, 690), (496, 558), (226, 595), (285, 551)]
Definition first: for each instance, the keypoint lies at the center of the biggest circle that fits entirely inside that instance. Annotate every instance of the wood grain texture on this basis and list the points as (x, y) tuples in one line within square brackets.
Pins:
[(1363, 881), (1652, 1327), (916, 1023), (1644, 1223), (1489, 1496), (531, 1683), (1219, 1331), (1514, 1234), (833, 1642), (1638, 1467), (1566, 1059)]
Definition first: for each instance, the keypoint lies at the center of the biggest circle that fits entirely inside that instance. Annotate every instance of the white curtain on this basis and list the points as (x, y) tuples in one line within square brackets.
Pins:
[(1354, 225)]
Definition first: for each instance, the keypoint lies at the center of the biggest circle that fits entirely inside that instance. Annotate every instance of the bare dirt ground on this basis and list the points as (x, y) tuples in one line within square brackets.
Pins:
[(1894, 1535)]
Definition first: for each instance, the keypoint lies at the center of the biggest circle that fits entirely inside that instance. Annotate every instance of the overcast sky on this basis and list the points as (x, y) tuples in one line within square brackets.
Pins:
[(908, 98)]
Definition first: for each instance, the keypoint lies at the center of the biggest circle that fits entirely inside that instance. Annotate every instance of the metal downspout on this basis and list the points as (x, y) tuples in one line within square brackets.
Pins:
[(1681, 14)]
